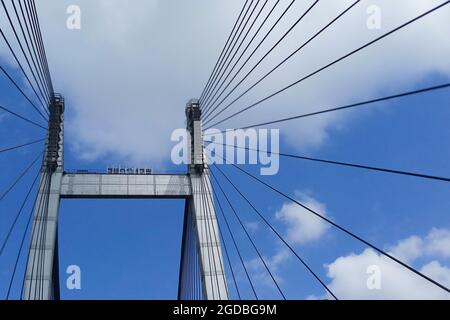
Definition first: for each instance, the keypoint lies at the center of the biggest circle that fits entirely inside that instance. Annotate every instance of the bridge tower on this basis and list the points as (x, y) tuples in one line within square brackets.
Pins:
[(41, 279), (202, 273), (200, 218)]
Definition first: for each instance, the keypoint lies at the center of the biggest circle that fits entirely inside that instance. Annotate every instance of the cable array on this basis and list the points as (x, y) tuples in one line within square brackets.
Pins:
[(226, 81), (200, 264)]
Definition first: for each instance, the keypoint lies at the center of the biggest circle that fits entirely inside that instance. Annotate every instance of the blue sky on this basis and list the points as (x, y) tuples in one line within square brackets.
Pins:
[(130, 249)]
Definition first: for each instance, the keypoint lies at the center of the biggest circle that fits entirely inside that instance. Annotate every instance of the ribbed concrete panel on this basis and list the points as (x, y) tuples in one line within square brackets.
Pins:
[(201, 207)]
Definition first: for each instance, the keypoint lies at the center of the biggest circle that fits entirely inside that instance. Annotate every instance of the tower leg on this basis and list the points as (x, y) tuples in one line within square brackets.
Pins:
[(208, 239), (41, 276)]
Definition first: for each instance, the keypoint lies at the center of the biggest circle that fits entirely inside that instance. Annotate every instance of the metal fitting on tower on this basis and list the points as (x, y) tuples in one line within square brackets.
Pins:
[(56, 109), (194, 127)]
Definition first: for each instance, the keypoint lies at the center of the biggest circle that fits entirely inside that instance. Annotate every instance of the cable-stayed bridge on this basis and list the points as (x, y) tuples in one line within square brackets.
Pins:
[(206, 270)]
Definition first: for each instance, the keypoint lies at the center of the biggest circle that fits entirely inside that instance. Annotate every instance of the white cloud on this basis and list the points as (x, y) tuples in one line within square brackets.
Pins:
[(129, 71), (438, 272), (252, 226), (409, 249), (259, 273), (349, 279), (302, 226), (436, 243), (349, 273)]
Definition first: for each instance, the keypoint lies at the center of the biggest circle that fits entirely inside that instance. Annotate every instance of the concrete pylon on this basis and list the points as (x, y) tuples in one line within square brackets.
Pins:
[(202, 212), (42, 279)]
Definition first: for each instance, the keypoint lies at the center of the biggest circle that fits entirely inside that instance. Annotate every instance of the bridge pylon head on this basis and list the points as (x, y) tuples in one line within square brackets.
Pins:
[(194, 127), (53, 153)]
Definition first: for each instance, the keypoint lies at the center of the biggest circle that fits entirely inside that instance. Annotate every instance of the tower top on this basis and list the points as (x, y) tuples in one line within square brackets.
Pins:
[(193, 112), (53, 158), (194, 127)]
